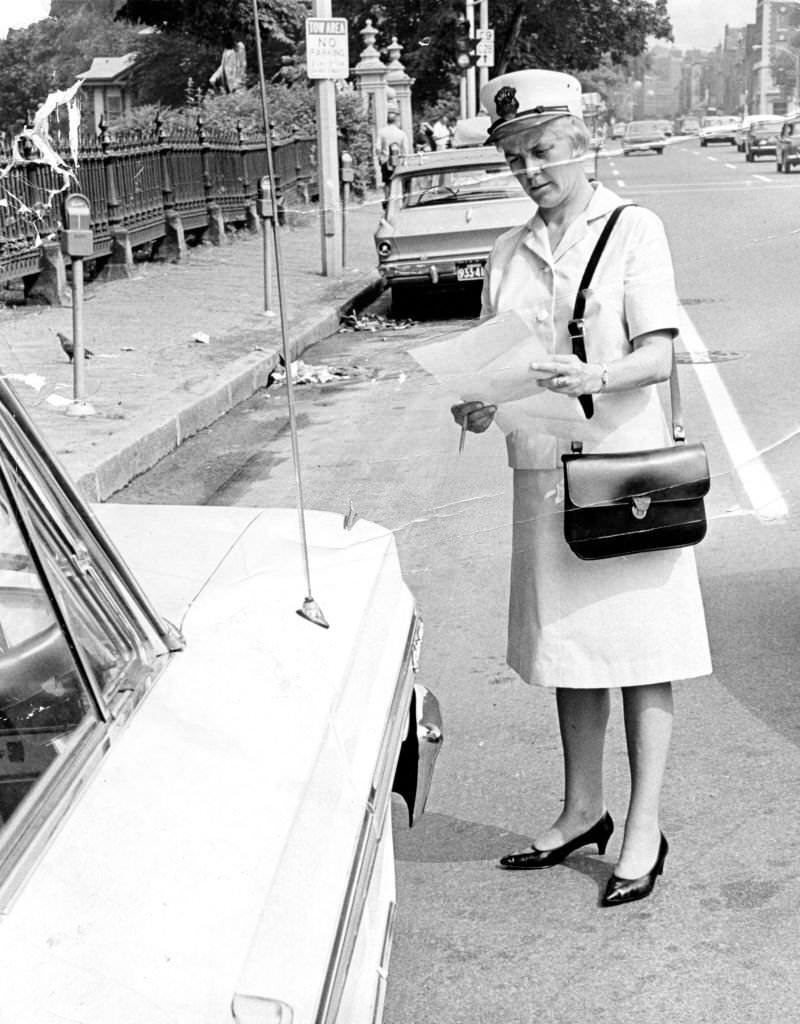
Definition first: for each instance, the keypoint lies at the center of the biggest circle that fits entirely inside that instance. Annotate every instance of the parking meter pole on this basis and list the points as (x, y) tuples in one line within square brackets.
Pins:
[(347, 178), (79, 350), (265, 209), (77, 242)]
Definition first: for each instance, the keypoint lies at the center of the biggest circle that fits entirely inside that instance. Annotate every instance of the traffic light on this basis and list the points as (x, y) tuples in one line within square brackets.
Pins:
[(780, 76), (466, 46)]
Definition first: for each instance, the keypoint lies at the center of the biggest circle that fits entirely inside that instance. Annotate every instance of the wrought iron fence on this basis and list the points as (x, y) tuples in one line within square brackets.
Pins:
[(135, 180)]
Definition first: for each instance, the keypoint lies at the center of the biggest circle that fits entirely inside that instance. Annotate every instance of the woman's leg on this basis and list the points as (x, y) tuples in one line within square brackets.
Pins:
[(648, 729), (582, 720)]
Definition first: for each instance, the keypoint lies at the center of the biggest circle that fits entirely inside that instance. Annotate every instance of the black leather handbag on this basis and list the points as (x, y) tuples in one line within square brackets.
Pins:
[(630, 502)]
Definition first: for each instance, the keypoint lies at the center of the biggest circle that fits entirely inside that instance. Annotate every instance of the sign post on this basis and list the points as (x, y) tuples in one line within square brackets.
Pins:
[(326, 60)]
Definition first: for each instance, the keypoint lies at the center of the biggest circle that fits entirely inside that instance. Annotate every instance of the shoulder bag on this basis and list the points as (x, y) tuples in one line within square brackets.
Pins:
[(626, 503)]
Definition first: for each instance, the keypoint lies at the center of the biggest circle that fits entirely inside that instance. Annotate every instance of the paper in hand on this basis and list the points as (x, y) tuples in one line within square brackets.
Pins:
[(491, 363)]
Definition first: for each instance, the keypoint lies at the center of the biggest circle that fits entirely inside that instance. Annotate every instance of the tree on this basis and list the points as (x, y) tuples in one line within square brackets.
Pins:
[(50, 54), (568, 35), (222, 22)]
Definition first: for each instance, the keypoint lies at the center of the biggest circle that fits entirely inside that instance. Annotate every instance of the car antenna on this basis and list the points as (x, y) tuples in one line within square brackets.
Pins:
[(310, 609)]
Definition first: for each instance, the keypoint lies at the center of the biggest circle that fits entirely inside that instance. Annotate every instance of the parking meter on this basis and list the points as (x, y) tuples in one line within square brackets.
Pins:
[(348, 174), (265, 197), (77, 239)]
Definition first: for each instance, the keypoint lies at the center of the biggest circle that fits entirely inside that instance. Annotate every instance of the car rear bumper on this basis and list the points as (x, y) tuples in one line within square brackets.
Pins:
[(463, 270)]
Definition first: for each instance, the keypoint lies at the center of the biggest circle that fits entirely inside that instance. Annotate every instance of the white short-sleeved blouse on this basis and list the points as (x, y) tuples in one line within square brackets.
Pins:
[(632, 293)]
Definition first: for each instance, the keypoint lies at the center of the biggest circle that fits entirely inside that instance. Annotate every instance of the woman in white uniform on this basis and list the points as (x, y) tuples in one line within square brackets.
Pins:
[(582, 627)]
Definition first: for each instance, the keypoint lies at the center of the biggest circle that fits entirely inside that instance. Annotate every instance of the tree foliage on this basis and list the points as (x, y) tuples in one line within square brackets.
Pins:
[(566, 35), (50, 54), (222, 22)]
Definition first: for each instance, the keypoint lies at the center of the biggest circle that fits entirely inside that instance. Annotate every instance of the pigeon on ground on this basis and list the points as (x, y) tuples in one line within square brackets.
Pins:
[(69, 348)]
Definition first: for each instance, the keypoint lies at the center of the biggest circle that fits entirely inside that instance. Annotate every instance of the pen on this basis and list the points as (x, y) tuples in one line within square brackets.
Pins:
[(463, 436)]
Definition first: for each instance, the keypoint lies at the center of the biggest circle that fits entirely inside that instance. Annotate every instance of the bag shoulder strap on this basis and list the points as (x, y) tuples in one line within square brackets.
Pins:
[(575, 327)]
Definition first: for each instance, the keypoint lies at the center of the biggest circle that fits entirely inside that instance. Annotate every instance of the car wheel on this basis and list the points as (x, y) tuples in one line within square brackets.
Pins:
[(660, 152), (703, 143), (778, 166), (748, 157)]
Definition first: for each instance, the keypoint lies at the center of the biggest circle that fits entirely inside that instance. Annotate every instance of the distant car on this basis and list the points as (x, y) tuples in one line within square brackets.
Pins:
[(643, 136), (741, 130), (718, 128), (618, 130), (195, 816), (444, 213), (689, 125), (787, 147), (761, 137), (666, 127)]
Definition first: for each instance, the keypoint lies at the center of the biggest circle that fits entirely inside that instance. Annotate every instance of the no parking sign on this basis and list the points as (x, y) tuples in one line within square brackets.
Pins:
[(326, 48)]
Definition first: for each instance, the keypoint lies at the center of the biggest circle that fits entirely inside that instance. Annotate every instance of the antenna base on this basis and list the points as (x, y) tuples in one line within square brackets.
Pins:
[(312, 611)]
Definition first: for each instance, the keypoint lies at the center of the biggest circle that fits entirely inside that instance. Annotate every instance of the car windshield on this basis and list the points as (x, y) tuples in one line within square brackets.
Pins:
[(459, 185), (643, 126)]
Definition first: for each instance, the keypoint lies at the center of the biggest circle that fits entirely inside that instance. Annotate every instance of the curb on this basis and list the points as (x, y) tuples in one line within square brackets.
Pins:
[(147, 440)]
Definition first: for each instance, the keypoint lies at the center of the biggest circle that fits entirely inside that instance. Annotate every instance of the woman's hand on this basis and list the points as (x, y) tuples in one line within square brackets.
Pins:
[(476, 416), (567, 375)]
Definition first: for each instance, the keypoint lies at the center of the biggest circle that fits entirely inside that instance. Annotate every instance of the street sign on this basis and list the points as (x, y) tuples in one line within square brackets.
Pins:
[(485, 48), (326, 48)]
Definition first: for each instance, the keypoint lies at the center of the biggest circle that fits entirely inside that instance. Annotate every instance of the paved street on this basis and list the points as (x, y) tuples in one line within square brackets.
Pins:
[(719, 939)]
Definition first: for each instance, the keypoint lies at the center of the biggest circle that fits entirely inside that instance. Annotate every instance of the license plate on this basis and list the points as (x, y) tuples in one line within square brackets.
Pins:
[(470, 272)]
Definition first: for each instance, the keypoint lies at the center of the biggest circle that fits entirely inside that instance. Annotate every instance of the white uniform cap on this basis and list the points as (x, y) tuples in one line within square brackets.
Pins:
[(524, 99)]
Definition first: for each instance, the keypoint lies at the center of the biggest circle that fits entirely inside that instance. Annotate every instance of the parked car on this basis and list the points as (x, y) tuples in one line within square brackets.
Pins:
[(195, 820), (445, 211), (787, 147), (761, 137), (643, 136), (618, 130), (718, 128)]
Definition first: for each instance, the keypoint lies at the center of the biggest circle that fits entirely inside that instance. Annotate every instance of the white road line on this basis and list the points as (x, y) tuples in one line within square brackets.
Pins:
[(733, 167), (762, 491), (621, 183), (713, 159), (761, 177)]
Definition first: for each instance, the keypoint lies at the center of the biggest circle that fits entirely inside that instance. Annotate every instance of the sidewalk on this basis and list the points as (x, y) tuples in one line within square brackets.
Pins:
[(150, 383)]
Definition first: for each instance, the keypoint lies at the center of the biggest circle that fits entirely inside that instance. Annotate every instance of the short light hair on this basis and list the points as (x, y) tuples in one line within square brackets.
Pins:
[(568, 127)]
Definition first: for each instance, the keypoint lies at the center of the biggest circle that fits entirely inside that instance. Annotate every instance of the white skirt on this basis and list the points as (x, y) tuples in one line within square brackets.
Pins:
[(627, 621)]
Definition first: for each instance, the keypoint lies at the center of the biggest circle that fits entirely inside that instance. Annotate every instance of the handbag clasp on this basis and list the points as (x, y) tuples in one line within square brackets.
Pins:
[(641, 505)]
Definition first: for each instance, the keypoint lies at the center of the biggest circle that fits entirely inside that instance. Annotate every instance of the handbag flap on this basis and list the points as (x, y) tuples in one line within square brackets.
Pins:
[(661, 474)]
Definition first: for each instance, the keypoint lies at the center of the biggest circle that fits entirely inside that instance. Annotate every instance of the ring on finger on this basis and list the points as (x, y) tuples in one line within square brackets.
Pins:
[(561, 381)]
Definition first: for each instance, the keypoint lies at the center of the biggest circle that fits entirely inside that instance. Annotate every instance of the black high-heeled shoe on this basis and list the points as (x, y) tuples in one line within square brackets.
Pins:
[(527, 860), (626, 890)]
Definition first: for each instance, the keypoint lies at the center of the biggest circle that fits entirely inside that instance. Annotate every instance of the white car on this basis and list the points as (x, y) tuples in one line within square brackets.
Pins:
[(195, 816), (718, 128), (445, 211)]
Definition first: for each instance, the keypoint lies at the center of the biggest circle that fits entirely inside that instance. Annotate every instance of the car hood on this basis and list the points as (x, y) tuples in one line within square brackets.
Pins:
[(198, 837)]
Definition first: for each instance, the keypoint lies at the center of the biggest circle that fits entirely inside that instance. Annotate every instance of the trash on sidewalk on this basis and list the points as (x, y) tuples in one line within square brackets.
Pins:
[(31, 380), (372, 322), (305, 373), (201, 338)]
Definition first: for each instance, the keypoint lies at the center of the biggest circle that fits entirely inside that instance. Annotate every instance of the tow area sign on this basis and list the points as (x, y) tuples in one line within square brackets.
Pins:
[(326, 48)]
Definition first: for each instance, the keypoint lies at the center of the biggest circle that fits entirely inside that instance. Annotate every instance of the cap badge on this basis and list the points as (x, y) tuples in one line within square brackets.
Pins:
[(506, 103)]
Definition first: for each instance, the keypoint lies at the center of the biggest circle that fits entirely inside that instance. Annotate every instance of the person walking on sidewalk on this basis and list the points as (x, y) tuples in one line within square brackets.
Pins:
[(584, 627), (392, 143)]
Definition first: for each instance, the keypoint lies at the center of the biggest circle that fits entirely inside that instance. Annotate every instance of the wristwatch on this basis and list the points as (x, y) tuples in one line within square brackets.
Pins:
[(603, 376)]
